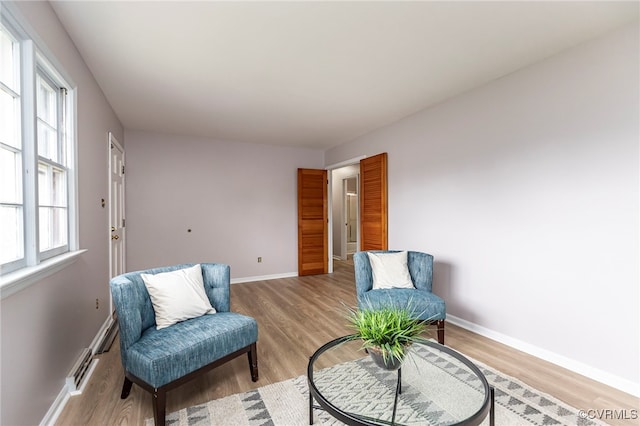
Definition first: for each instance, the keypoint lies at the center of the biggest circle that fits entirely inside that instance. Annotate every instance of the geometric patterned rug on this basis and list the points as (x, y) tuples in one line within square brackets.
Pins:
[(286, 403)]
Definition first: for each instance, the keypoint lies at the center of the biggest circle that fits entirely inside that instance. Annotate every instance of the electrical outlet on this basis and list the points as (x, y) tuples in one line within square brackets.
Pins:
[(97, 303), (260, 259)]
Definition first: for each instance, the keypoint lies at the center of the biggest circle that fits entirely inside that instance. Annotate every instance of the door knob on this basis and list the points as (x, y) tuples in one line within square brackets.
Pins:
[(115, 237)]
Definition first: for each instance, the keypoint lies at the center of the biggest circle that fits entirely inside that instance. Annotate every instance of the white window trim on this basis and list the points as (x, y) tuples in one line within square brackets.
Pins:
[(12, 282), (23, 278)]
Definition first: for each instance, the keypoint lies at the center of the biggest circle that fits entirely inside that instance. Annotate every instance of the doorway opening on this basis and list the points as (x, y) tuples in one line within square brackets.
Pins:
[(351, 214), (345, 229), (322, 211)]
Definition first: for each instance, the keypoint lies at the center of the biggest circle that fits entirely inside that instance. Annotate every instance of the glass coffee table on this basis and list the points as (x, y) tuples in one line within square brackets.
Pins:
[(435, 386)]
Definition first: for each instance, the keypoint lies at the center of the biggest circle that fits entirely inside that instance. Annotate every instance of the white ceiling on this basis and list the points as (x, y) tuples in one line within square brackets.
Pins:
[(312, 74)]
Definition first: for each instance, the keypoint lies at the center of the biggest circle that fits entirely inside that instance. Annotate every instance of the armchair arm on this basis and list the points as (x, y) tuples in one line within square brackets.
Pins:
[(363, 274), (421, 270), (127, 298), (217, 278)]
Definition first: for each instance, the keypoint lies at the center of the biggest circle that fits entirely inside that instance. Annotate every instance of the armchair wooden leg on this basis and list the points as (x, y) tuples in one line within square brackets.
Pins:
[(440, 326), (126, 388), (159, 406), (253, 362)]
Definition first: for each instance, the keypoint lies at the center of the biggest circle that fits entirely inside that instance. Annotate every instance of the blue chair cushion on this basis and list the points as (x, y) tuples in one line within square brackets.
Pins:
[(162, 356), (426, 305)]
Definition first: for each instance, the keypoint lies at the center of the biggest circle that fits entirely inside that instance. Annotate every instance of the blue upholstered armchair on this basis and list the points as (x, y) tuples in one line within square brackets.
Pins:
[(159, 360), (430, 307)]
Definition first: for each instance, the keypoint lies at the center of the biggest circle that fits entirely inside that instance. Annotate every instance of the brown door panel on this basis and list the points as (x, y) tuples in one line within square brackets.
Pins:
[(312, 222), (373, 203)]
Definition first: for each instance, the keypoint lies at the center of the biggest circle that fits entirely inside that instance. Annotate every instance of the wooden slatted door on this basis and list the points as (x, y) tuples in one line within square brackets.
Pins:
[(312, 222), (373, 203)]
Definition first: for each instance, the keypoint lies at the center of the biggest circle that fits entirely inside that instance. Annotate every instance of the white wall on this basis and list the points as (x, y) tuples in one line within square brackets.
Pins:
[(526, 192), (45, 326), (238, 199)]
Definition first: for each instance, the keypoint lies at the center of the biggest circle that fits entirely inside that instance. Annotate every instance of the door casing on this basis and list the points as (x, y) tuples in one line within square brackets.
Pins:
[(116, 230)]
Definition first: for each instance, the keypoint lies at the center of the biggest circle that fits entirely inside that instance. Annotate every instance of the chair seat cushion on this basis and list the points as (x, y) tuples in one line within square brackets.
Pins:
[(426, 305), (162, 356)]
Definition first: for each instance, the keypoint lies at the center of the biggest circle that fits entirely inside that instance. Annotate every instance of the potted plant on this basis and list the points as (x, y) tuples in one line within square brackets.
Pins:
[(386, 333)]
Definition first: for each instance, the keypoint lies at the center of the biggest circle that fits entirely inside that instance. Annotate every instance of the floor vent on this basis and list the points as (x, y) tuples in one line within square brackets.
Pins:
[(108, 338), (80, 372)]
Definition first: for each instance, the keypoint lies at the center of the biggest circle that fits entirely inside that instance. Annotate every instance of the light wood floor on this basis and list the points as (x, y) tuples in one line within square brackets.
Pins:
[(296, 316)]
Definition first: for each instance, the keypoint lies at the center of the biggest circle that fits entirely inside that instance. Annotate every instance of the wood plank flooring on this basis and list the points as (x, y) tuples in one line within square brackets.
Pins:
[(296, 316)]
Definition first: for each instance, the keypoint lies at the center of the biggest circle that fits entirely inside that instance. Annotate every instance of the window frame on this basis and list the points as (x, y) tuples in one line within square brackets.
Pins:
[(17, 93), (62, 105), (36, 59)]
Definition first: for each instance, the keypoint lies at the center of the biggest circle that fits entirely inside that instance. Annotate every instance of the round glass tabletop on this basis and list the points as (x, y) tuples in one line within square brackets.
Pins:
[(435, 386)]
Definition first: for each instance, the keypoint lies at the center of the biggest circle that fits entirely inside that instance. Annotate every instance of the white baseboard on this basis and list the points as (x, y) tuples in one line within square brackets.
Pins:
[(56, 408), (263, 277), (596, 374)]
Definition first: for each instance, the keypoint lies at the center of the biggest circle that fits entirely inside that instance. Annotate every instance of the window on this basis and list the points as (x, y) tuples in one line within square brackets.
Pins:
[(52, 171), (11, 207), (37, 182)]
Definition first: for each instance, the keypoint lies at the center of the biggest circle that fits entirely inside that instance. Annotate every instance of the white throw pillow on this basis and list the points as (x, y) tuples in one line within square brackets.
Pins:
[(177, 295), (390, 270)]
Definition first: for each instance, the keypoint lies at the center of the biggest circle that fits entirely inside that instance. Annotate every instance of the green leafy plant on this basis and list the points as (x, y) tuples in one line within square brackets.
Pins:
[(391, 330)]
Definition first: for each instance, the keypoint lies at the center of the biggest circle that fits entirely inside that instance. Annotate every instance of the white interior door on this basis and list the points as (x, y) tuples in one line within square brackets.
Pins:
[(116, 208)]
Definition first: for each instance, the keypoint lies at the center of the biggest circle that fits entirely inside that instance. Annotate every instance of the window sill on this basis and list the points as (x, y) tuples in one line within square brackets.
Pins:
[(23, 278)]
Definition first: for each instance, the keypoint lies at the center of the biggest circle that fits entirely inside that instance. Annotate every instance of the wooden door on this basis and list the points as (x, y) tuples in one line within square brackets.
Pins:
[(312, 222), (373, 203)]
